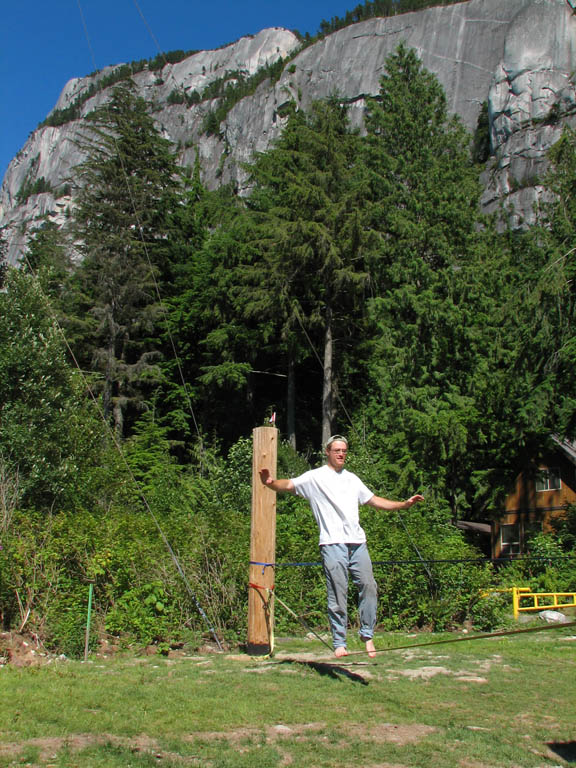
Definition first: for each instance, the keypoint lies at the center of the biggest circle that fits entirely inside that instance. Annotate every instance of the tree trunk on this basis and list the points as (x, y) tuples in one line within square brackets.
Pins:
[(107, 393), (291, 403), (328, 383), (118, 419)]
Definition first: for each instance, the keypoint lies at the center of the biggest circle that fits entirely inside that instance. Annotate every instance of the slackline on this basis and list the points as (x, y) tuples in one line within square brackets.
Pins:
[(341, 661), (467, 639)]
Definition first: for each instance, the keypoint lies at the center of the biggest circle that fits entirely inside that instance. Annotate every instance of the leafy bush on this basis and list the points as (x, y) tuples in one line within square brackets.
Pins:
[(48, 560), (491, 609), (142, 612)]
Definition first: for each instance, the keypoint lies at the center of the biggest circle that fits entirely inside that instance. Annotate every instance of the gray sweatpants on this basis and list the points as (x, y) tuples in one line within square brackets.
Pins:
[(339, 560)]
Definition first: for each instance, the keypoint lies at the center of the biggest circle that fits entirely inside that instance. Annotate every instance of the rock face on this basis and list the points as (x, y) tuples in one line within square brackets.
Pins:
[(517, 55), (532, 96)]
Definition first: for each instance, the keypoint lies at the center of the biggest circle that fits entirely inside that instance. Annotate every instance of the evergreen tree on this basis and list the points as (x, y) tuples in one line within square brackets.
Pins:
[(47, 248), (126, 226), (277, 276), (48, 258), (309, 275), (49, 437), (422, 195), (544, 316), (217, 348)]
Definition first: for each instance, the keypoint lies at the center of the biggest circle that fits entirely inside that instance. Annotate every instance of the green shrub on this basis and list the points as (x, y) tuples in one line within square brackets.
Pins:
[(143, 612), (136, 555)]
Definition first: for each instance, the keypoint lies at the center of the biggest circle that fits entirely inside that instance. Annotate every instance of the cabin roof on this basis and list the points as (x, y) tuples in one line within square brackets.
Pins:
[(567, 447)]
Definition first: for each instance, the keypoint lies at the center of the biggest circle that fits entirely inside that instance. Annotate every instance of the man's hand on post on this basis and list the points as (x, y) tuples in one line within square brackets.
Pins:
[(265, 476), (280, 485)]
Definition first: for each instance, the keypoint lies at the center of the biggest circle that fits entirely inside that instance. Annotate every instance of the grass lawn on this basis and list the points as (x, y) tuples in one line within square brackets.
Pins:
[(508, 701)]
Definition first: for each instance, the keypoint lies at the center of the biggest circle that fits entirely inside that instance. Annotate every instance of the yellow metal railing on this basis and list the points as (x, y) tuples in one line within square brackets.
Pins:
[(540, 601)]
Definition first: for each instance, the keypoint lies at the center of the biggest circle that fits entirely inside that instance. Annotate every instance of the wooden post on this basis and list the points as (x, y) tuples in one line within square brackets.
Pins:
[(262, 544)]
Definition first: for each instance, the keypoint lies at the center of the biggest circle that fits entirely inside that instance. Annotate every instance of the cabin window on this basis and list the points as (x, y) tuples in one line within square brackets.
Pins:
[(548, 479), (510, 539)]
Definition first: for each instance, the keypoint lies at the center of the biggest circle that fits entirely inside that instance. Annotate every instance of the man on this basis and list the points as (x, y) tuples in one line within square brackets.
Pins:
[(334, 495)]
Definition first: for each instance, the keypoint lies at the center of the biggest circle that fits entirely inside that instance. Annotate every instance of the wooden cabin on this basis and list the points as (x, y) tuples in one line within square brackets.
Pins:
[(542, 492)]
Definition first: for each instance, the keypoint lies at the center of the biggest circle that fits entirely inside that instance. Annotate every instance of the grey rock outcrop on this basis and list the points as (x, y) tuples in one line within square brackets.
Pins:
[(517, 55), (531, 97)]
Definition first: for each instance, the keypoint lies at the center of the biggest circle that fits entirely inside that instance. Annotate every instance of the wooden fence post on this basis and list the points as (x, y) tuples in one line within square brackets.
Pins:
[(262, 544)]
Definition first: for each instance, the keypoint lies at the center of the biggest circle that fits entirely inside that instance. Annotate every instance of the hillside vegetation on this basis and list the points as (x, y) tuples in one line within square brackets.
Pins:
[(356, 290)]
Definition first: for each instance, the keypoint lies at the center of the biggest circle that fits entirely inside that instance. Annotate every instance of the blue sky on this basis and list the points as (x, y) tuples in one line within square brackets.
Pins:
[(44, 44)]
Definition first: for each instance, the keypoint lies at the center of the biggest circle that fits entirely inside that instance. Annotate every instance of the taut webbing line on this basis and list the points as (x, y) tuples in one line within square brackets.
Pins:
[(446, 561), (467, 639)]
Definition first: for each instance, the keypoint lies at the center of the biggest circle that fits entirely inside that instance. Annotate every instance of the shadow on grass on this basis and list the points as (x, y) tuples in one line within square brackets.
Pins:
[(335, 671), (564, 749)]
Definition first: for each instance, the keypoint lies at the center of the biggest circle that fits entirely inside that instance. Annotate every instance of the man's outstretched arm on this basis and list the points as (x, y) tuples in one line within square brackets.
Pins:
[(280, 484), (378, 502)]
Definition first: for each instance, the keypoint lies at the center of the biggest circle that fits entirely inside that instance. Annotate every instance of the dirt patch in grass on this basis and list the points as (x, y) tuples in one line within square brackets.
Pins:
[(240, 738), (272, 733), (428, 671), (393, 733), (383, 732), (48, 747), (473, 764), (384, 765), (243, 739), (420, 673)]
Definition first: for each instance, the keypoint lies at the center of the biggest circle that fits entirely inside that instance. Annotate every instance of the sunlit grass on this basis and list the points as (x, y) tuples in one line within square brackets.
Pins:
[(488, 703)]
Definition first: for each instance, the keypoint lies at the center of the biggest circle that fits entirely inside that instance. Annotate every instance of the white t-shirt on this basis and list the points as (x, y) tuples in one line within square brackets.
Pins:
[(334, 498)]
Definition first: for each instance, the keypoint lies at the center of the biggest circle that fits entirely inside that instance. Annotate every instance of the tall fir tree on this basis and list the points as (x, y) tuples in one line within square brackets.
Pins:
[(544, 316), (48, 257), (309, 277), (278, 282), (50, 436), (422, 195), (131, 196), (217, 349)]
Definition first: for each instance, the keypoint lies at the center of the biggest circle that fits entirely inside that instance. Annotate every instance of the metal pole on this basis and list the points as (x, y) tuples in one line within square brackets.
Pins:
[(87, 640)]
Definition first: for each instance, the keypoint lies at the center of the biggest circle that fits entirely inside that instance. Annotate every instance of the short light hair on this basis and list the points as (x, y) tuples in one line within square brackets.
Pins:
[(335, 439)]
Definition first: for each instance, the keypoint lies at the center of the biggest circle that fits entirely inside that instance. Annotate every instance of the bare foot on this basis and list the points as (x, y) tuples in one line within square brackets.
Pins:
[(340, 651), (371, 648)]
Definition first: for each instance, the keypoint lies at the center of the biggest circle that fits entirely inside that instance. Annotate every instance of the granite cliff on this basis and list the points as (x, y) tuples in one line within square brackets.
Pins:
[(517, 55)]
